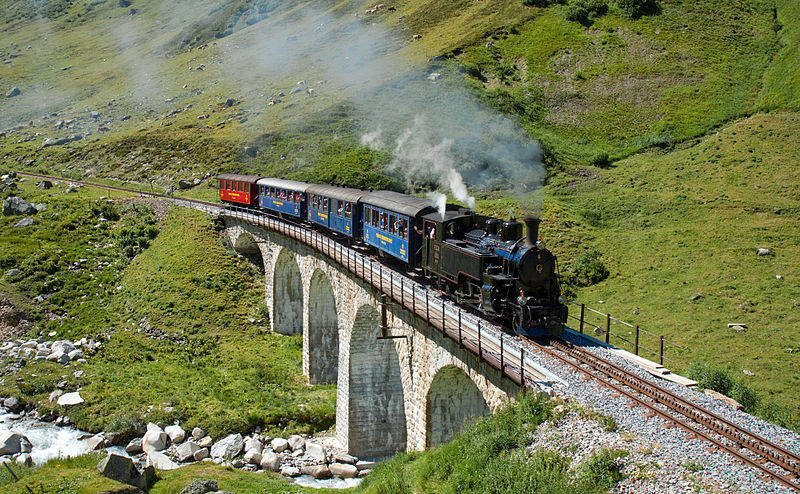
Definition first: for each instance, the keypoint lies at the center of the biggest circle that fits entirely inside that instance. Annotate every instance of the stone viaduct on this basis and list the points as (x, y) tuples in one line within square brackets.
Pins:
[(399, 394)]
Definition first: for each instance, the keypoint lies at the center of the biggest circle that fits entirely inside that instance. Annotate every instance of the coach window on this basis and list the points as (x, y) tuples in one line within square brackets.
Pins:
[(403, 227), (376, 218), (325, 204), (348, 210), (367, 216), (393, 224)]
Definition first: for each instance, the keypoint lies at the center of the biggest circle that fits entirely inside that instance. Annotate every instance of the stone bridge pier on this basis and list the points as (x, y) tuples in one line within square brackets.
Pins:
[(393, 395)]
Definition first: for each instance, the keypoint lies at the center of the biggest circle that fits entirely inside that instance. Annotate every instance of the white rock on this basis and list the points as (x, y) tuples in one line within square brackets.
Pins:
[(290, 471), (344, 470), (296, 442), (201, 454), (25, 459), (270, 461), (175, 433), (154, 439), (186, 451), (763, 252), (96, 442), (253, 444), (160, 461), (315, 452), (75, 354), (279, 445), (253, 457), (229, 447), (198, 433), (70, 399), (205, 442)]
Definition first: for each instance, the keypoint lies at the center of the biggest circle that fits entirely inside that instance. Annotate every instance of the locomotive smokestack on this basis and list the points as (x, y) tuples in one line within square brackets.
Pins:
[(532, 230)]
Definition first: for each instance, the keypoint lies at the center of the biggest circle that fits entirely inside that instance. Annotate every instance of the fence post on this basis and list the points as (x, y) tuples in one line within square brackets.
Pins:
[(608, 327), (391, 285), (636, 340), (522, 366), (402, 292), (582, 309), (460, 342), (444, 331), (661, 349), (414, 299), (480, 349), (502, 357), (427, 308)]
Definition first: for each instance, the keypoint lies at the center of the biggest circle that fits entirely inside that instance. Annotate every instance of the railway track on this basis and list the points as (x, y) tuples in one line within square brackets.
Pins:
[(511, 355), (774, 461)]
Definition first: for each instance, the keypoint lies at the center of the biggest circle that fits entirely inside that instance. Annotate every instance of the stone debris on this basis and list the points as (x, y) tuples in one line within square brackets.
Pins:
[(70, 399), (763, 252)]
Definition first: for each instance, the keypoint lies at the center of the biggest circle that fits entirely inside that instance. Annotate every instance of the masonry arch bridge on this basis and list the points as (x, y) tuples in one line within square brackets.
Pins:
[(401, 394)]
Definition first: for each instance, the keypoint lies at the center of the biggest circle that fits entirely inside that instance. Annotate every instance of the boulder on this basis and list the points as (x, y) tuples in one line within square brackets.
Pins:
[(229, 447), (13, 272), (344, 470), (96, 442), (25, 460), (345, 458), (279, 445), (198, 433), (315, 452), (253, 444), (270, 461), (185, 184), (70, 399), (13, 205), (364, 464), (134, 447), (175, 433), (24, 222), (317, 471), (13, 405), (296, 442), (185, 452), (55, 141), (201, 454), (154, 439), (205, 442), (14, 91), (200, 486), (10, 443), (290, 471), (763, 252), (160, 461), (252, 457), (45, 184), (122, 469), (75, 355)]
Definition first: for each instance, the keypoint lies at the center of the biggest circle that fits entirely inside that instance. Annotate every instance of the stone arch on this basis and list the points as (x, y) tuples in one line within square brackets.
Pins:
[(323, 331), (452, 402), (287, 294), (246, 245), (376, 405)]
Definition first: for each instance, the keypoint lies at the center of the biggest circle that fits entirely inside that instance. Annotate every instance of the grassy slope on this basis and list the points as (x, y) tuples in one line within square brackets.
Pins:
[(186, 286), (491, 457)]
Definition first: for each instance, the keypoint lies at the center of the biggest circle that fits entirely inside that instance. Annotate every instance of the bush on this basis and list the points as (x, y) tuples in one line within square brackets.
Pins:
[(589, 269), (586, 11), (601, 469), (637, 8), (711, 377)]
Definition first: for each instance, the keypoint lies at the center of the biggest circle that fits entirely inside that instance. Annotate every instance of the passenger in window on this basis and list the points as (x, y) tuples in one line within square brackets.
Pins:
[(347, 210)]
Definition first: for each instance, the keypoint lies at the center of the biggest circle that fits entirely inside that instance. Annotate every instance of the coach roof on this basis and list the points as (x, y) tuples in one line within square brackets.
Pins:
[(399, 203), (343, 193), (237, 177), (284, 184)]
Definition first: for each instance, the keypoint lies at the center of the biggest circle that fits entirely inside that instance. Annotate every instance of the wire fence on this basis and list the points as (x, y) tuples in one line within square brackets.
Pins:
[(623, 335)]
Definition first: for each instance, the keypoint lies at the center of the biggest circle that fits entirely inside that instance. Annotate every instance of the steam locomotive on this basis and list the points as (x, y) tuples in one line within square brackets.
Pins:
[(483, 262)]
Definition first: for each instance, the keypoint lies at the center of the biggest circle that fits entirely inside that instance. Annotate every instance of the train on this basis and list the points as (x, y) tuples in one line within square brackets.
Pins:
[(500, 268)]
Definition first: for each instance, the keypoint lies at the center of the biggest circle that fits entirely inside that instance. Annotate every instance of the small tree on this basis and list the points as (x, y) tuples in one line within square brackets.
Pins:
[(637, 8), (586, 11)]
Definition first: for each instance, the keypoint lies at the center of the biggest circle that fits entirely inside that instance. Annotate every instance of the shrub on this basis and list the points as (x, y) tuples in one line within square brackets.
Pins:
[(601, 469), (711, 377), (589, 269), (601, 160), (637, 8), (586, 11)]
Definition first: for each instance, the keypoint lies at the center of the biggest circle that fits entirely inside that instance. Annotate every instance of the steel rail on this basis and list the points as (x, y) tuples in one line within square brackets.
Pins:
[(769, 450), (611, 372)]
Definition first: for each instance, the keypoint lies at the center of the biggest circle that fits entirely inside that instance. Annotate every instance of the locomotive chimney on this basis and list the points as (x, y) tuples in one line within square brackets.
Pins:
[(532, 230)]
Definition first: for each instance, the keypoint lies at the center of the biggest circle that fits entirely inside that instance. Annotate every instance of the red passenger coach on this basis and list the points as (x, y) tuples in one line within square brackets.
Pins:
[(238, 189)]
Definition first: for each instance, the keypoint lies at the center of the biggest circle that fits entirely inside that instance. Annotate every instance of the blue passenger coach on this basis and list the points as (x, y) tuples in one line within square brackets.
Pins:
[(335, 208), (392, 223), (283, 196)]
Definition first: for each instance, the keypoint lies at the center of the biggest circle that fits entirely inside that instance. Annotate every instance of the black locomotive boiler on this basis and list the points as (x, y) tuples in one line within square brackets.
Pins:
[(492, 266)]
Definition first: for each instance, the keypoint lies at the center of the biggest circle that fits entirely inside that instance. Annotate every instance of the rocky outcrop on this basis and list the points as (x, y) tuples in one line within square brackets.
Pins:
[(14, 205)]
